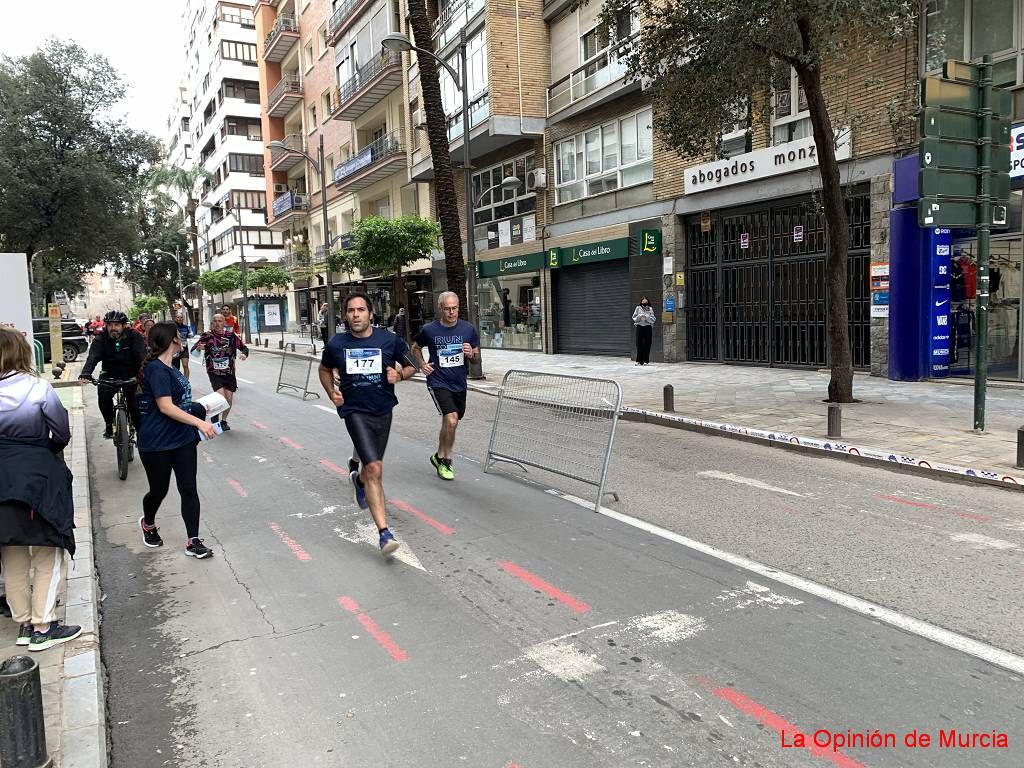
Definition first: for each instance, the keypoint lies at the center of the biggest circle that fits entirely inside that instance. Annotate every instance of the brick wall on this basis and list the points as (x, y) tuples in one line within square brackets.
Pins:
[(519, 64)]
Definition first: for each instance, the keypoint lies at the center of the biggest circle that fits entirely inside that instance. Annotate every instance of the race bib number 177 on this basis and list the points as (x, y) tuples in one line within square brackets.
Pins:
[(363, 362)]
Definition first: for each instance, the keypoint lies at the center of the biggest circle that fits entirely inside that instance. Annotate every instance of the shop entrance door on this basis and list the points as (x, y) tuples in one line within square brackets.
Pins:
[(756, 284)]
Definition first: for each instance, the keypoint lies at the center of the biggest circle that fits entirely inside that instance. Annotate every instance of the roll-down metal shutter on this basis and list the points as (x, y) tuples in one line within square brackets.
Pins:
[(592, 309)]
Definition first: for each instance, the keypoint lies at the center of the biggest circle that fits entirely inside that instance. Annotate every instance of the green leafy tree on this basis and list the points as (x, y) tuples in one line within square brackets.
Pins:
[(222, 281), (70, 172), (150, 305), (705, 62), (168, 180), (268, 278)]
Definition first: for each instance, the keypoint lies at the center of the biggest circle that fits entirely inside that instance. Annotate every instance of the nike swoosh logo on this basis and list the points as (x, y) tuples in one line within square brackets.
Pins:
[(940, 303)]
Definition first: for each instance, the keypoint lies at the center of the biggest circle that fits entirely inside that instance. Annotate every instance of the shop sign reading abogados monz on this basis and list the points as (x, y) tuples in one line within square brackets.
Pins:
[(792, 156)]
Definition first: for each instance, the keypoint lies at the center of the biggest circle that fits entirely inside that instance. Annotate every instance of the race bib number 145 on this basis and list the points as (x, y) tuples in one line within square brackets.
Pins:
[(363, 362), (450, 356)]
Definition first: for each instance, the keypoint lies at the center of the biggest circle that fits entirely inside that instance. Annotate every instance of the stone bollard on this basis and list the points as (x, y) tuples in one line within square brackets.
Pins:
[(22, 732), (835, 421), (1020, 447), (669, 396)]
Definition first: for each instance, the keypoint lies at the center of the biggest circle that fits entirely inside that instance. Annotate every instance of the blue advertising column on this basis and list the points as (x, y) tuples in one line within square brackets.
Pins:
[(938, 242), (909, 290)]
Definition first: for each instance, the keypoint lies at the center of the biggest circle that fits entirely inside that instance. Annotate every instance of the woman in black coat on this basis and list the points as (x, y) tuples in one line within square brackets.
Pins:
[(37, 516)]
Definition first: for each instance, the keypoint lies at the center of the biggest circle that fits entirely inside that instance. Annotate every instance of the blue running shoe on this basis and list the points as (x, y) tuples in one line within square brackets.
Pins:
[(358, 492), (387, 542)]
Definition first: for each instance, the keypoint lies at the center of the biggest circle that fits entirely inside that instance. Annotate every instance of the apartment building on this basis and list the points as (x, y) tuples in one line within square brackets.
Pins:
[(324, 79), (216, 123)]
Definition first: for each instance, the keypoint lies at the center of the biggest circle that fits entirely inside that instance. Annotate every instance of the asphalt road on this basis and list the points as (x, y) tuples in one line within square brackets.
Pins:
[(521, 630)]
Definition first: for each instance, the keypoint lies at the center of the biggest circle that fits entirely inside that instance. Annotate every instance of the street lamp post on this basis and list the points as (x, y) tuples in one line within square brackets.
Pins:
[(318, 166), (398, 42)]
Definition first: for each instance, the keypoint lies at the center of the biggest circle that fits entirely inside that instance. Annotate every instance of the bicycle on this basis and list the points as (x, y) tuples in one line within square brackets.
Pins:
[(124, 430)]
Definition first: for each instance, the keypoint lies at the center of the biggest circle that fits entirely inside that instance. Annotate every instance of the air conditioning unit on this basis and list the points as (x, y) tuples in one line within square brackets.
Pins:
[(280, 189), (537, 179)]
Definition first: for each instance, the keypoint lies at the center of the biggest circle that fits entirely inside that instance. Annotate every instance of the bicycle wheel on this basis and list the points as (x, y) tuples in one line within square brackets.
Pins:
[(123, 443)]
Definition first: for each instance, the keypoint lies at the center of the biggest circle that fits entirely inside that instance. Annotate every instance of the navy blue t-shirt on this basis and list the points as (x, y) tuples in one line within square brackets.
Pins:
[(445, 345), (156, 431), (362, 364)]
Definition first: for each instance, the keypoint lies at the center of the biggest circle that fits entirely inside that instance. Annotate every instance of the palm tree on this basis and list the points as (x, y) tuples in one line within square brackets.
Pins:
[(175, 179), (437, 132)]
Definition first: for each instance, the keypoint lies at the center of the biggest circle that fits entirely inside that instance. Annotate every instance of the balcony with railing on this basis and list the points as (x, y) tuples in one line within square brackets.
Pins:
[(596, 82), (282, 159), (479, 110), (296, 260), (284, 96), (282, 36), (369, 86), (453, 18), (288, 208), (375, 162), (344, 16)]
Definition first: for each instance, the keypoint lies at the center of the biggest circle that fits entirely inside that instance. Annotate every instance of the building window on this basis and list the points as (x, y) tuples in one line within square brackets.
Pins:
[(969, 29), (239, 89), (309, 57), (262, 237), (249, 201), (245, 52), (505, 217), (312, 118), (242, 126), (321, 36), (252, 164), (611, 156), (325, 105), (790, 118)]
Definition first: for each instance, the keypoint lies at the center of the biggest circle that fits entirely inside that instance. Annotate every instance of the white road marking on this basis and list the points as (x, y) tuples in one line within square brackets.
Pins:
[(326, 511), (747, 481), (366, 533), (982, 542), (1013, 525), (325, 408), (667, 626), (754, 594), (579, 632), (564, 660), (957, 642), (258, 459), (245, 381)]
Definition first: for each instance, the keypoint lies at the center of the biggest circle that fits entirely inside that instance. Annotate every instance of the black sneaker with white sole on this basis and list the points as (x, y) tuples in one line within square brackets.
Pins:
[(150, 536), (24, 634), (195, 548), (57, 633)]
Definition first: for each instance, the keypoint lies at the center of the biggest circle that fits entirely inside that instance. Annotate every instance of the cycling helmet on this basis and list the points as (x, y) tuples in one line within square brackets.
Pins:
[(115, 316)]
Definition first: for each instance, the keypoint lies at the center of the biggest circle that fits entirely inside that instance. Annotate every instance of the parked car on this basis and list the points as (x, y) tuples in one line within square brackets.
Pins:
[(75, 340)]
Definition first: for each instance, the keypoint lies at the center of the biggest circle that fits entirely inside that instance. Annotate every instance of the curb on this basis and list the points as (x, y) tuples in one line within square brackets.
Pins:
[(83, 701), (860, 454)]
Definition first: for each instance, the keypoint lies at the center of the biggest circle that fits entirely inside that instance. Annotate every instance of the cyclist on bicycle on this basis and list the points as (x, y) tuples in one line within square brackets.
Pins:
[(121, 351)]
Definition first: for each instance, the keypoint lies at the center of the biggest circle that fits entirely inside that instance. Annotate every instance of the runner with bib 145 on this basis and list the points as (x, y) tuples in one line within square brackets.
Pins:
[(451, 343)]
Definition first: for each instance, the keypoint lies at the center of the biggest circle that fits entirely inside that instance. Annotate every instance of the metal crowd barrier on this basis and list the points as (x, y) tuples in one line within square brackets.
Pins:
[(295, 373), (561, 424)]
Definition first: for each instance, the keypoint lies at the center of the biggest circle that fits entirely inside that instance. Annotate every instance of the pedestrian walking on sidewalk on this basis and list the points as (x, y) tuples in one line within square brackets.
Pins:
[(168, 435), (369, 362), (37, 516), (221, 346), (643, 319), (451, 342)]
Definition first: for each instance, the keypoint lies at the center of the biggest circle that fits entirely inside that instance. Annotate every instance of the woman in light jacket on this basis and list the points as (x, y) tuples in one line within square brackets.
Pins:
[(37, 515), (643, 319)]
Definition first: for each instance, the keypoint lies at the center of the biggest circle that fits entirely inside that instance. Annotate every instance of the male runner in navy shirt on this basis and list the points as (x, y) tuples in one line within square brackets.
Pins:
[(369, 361), (451, 342)]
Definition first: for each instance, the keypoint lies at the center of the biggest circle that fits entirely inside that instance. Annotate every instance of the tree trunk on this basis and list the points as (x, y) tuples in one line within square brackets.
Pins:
[(840, 387), (437, 132), (190, 209)]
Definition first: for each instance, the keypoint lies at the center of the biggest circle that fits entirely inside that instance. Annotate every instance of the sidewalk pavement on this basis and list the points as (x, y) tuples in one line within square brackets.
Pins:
[(72, 673), (925, 425)]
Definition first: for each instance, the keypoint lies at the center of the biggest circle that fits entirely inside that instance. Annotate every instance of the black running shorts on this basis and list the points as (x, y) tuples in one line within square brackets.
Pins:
[(369, 433), (223, 381), (450, 402)]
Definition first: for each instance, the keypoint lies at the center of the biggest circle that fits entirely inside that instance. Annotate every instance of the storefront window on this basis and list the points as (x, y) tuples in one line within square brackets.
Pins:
[(510, 311), (1005, 284)]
